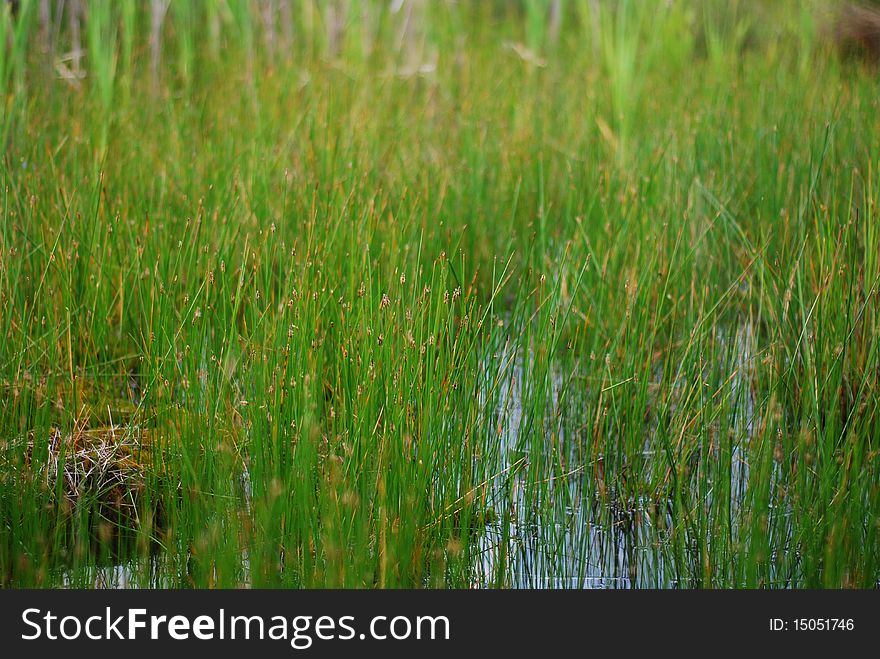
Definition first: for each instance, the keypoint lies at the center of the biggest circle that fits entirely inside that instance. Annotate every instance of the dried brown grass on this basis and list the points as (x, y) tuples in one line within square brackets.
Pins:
[(857, 31)]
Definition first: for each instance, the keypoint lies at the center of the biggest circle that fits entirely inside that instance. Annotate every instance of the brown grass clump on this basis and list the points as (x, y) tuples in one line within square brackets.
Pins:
[(102, 468), (857, 31), (103, 463)]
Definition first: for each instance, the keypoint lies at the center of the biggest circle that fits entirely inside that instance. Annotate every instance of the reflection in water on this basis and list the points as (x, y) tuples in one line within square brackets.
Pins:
[(574, 531), (559, 524)]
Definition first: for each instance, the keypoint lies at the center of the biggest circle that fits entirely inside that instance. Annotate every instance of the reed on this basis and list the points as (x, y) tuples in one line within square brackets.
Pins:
[(442, 294)]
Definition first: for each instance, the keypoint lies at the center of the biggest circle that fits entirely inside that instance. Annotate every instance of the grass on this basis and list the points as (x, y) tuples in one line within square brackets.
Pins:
[(460, 294)]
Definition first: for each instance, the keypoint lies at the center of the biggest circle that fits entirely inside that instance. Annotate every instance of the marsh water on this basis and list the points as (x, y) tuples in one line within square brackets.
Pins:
[(583, 534), (562, 525)]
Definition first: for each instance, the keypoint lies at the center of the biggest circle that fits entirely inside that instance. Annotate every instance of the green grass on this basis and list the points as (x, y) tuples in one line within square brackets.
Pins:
[(464, 305)]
